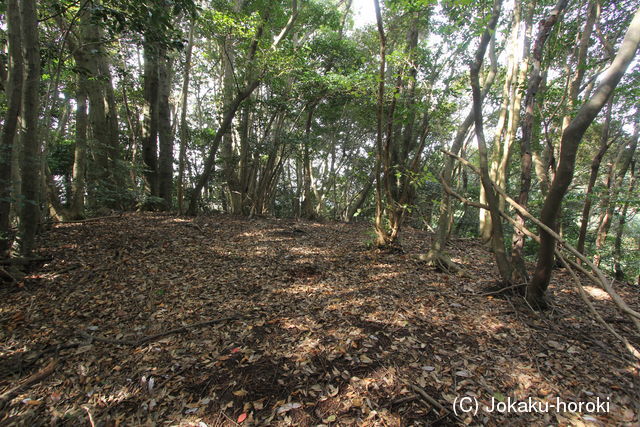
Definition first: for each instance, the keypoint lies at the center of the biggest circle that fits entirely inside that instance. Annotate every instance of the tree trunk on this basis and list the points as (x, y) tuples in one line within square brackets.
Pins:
[(605, 143), (617, 246), (623, 162), (92, 61), (151, 117), (184, 125), (307, 207), (76, 210), (571, 138), (10, 128), (229, 113), (165, 134), (445, 214), (30, 212), (484, 223), (535, 78), (497, 240), (381, 232)]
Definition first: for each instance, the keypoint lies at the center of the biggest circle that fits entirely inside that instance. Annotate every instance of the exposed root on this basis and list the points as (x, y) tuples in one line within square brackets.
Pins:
[(441, 262)]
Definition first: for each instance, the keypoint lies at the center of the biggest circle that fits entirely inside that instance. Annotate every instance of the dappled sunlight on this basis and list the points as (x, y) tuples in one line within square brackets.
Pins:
[(338, 330), (597, 293)]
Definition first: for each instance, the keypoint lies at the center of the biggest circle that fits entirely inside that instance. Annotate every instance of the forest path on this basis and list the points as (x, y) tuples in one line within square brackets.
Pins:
[(324, 330)]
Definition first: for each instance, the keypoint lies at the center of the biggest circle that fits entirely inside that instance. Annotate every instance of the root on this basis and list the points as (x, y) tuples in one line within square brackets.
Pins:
[(442, 262)]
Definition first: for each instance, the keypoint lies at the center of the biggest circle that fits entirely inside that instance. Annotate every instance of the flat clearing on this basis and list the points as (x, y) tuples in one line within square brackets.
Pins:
[(305, 325)]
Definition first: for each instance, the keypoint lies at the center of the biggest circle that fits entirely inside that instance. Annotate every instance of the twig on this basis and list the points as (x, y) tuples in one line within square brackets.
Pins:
[(402, 400), (90, 416), (38, 376), (499, 291), (144, 340), (432, 401), (7, 274)]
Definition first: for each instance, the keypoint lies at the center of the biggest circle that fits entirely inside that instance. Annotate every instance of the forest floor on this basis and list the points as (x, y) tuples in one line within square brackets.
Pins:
[(306, 325)]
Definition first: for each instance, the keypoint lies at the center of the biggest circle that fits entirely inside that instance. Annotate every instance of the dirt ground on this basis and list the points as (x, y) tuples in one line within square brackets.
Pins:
[(147, 319)]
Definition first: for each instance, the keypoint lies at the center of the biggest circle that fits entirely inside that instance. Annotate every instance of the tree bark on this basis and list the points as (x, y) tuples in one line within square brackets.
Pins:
[(184, 125), (608, 205), (30, 212), (535, 78), (10, 128), (617, 246), (151, 117), (78, 185), (571, 138), (497, 240), (445, 214), (165, 133), (605, 143)]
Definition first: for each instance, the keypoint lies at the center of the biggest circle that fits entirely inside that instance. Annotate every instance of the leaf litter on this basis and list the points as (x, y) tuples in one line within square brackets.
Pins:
[(153, 319)]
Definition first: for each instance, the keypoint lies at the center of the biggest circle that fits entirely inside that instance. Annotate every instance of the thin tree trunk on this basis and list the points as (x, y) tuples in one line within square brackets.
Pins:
[(484, 223), (617, 246), (605, 143), (151, 118), (30, 212), (307, 207), (497, 240), (184, 125), (382, 236), (10, 128), (535, 78), (624, 161), (78, 186), (209, 163), (571, 138), (165, 134), (445, 214)]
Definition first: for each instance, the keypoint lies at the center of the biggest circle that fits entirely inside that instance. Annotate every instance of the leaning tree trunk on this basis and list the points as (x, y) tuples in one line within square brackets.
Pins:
[(9, 131), (571, 138), (30, 212), (436, 254), (535, 78)]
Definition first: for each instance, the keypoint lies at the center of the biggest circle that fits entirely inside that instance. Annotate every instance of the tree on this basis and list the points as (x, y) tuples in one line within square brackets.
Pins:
[(10, 128), (30, 209), (568, 148)]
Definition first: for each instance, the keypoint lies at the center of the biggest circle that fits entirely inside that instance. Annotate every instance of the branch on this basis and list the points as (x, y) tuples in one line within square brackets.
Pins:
[(38, 376), (601, 279), (287, 28)]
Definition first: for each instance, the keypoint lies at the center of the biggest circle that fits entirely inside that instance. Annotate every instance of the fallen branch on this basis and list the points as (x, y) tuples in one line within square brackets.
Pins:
[(150, 338), (38, 376), (433, 402)]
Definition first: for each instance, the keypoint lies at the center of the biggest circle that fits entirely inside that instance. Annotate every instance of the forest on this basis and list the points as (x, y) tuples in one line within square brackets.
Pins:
[(319, 212)]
